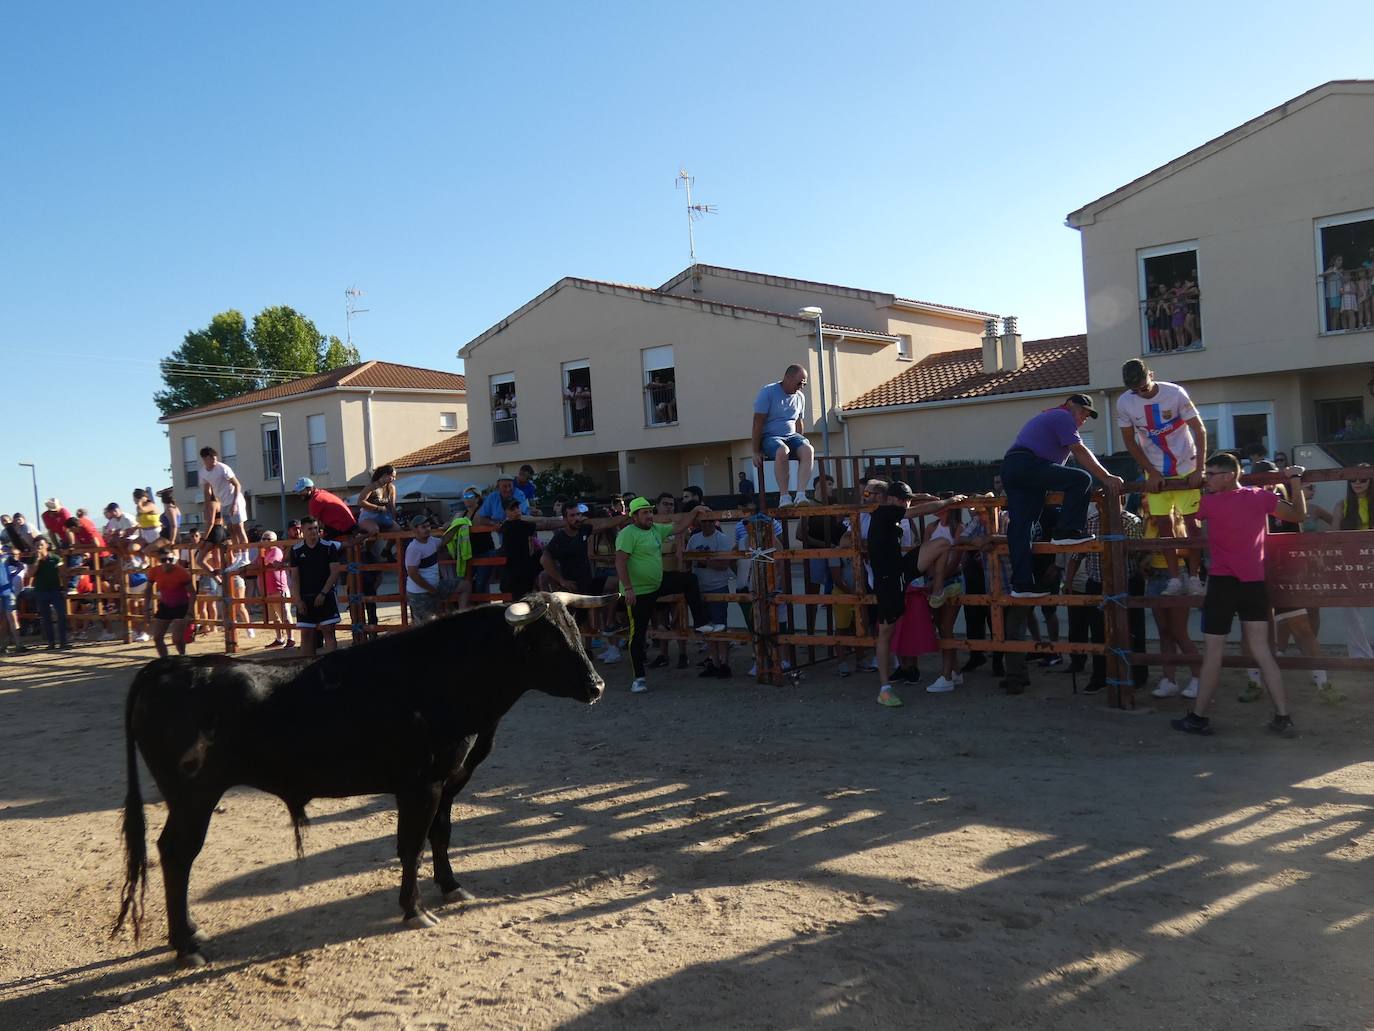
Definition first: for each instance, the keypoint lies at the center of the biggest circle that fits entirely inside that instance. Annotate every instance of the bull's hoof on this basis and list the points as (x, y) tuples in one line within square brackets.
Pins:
[(459, 894), (191, 960), (199, 937), (420, 919)]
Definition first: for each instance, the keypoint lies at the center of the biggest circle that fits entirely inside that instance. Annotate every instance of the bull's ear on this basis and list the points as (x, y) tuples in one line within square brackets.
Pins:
[(584, 601), (525, 611)]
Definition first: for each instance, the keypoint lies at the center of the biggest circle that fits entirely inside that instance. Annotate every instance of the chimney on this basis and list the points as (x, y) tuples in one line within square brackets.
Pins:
[(992, 358), (1012, 356)]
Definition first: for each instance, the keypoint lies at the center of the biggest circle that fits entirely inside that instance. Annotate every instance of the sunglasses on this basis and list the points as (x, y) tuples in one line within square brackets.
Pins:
[(1218, 472)]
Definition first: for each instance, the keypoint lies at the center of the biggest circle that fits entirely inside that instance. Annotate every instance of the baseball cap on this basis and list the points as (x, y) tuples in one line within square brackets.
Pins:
[(304, 483), (1134, 372), (579, 507), (901, 490), (639, 504), (471, 491), (1085, 402)]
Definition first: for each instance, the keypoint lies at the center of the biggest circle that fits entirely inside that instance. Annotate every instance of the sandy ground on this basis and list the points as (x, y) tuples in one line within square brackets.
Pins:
[(724, 855)]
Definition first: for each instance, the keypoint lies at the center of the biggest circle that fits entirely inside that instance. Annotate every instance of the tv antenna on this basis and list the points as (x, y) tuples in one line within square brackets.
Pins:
[(351, 308), (694, 211)]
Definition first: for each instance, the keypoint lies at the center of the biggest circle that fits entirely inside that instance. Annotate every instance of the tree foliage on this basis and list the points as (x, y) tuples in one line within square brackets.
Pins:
[(556, 480), (228, 358)]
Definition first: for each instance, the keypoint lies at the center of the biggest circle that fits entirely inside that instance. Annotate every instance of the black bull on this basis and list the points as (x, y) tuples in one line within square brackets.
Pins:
[(411, 714)]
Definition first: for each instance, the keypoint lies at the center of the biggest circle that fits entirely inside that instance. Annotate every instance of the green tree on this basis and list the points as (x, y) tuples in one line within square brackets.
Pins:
[(556, 480), (224, 342), (286, 341), (337, 354)]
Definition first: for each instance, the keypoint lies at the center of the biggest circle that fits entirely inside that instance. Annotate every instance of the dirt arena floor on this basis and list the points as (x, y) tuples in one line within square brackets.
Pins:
[(723, 855)]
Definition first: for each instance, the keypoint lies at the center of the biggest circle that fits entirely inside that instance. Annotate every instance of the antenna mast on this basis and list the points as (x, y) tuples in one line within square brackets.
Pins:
[(694, 211), (351, 296)]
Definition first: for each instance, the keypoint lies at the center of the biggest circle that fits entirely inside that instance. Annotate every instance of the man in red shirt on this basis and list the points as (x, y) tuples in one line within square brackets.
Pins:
[(336, 519), (55, 518)]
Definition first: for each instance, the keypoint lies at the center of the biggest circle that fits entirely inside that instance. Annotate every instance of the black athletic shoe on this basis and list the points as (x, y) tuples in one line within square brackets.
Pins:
[(1282, 726), (682, 662), (974, 661), (1052, 660), (708, 669), (1093, 687), (722, 672), (1192, 724), (1014, 685), (910, 674), (1068, 537), (659, 661), (999, 665)]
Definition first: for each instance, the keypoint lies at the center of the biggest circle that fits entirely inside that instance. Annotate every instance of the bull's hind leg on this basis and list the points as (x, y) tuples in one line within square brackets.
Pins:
[(440, 834), (414, 815), (179, 843)]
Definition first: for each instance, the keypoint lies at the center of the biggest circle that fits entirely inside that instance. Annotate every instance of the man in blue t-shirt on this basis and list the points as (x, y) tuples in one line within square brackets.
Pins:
[(492, 514), (779, 422), (1034, 466)]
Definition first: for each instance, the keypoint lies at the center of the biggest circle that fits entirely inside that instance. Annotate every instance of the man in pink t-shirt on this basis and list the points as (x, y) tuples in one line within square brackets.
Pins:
[(1237, 520)]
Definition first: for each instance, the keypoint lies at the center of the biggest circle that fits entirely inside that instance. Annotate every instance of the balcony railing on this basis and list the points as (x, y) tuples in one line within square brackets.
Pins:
[(660, 402), (504, 427), (577, 413), (1348, 296), (1172, 321)]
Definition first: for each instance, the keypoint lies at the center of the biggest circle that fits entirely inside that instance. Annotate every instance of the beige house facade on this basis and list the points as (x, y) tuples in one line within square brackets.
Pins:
[(1242, 270), (650, 389), (337, 426)]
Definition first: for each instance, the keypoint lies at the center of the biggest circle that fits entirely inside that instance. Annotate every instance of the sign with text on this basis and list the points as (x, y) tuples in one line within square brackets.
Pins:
[(1320, 569)]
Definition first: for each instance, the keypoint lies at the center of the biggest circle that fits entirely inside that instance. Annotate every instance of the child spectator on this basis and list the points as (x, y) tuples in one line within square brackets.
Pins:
[(275, 589), (517, 547)]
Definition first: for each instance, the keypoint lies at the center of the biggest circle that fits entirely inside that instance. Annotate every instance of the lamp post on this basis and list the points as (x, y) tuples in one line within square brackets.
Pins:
[(281, 461), (815, 313), (33, 474)]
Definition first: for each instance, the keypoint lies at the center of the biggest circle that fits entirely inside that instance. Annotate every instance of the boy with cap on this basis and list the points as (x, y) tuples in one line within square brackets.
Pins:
[(639, 568), (1165, 435), (1033, 467)]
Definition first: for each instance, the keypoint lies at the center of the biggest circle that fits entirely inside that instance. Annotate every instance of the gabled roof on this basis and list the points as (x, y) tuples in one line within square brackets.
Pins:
[(1087, 214), (445, 452), (371, 375), (1056, 363), (878, 297), (646, 293)]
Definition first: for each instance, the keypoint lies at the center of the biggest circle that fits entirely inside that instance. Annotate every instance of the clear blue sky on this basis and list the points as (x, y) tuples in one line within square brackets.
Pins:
[(161, 163)]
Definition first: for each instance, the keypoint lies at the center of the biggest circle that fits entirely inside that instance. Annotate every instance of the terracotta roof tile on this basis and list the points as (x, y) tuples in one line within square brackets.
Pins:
[(366, 374), (952, 375), (445, 452)]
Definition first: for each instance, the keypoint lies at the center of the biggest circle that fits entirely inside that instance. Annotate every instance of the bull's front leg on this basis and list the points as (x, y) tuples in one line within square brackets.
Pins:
[(440, 835), (414, 814)]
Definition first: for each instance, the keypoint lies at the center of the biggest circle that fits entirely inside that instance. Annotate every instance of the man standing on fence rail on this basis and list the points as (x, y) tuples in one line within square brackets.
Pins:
[(1165, 435), (1237, 523), (1033, 467), (779, 422), (639, 568)]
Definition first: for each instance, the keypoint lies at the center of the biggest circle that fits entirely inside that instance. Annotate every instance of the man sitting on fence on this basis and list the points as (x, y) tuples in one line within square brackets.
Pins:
[(779, 422), (334, 520), (1237, 523), (1033, 467), (639, 567)]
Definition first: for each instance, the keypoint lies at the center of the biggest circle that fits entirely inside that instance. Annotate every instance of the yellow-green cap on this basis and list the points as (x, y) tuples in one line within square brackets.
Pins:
[(640, 503)]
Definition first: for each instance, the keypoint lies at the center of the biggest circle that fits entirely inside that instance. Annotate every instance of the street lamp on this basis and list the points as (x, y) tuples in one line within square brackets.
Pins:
[(815, 313), (33, 474), (281, 461)]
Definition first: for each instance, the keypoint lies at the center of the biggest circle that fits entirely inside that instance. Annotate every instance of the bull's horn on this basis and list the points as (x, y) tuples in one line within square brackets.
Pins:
[(518, 613), (584, 601)]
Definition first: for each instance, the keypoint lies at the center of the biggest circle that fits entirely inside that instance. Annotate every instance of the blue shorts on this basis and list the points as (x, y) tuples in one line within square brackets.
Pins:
[(382, 519), (7, 603), (771, 444)]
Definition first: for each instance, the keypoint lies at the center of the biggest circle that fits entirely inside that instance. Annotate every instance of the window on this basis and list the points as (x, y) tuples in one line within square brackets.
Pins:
[(1170, 299), (1345, 267), (190, 461), (577, 398), (228, 447), (660, 386), (448, 422), (1234, 426), (1338, 415), (504, 427), (271, 452), (319, 450), (904, 347)]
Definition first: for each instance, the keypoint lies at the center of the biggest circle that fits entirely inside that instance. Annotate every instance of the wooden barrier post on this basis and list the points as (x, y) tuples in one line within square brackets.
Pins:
[(1116, 630)]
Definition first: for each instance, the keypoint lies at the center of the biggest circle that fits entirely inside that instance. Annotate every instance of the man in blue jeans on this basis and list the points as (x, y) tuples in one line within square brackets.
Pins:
[(1033, 467)]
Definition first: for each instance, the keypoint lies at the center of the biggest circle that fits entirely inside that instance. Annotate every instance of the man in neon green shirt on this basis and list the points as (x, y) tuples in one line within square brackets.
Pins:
[(639, 567)]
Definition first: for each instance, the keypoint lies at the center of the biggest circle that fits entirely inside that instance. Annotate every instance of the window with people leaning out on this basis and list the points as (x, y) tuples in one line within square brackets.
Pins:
[(1346, 283), (577, 398), (660, 387), (504, 427), (1170, 300)]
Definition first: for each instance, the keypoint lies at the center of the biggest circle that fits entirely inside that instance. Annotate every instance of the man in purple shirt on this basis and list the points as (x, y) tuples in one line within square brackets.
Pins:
[(1034, 466)]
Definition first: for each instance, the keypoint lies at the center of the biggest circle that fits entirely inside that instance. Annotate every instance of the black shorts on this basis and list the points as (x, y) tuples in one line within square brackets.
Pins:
[(331, 534), (171, 613), (1227, 598), (891, 598), (217, 534), (309, 615)]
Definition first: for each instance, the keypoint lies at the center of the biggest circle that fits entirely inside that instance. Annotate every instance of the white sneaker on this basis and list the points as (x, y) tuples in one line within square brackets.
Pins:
[(1166, 688), (142, 637), (237, 564), (639, 686), (801, 499), (1196, 587), (1319, 677), (941, 686), (754, 670), (251, 633), (710, 628), (610, 656), (109, 635), (958, 679), (1173, 588), (1253, 675), (1191, 690), (784, 500)]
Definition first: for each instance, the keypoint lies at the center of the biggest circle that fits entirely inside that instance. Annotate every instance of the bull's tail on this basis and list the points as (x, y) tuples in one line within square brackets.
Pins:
[(134, 829)]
